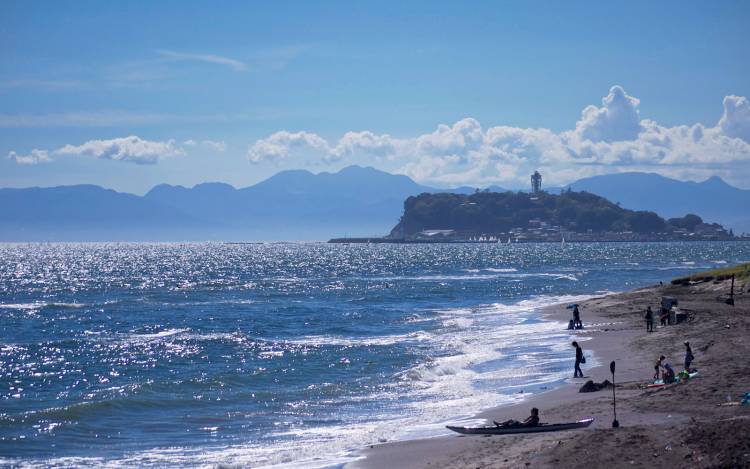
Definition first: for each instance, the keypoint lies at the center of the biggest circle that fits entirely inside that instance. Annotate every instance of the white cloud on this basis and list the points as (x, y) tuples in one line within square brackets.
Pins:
[(464, 135), (610, 138), (132, 149), (366, 142), (278, 145), (207, 58), (35, 157), (617, 119), (736, 119), (216, 145)]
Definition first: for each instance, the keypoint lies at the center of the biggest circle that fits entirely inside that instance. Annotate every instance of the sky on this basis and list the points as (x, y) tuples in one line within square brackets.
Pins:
[(128, 95)]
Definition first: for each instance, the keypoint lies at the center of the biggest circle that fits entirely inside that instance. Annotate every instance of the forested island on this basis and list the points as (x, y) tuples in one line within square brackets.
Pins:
[(525, 217)]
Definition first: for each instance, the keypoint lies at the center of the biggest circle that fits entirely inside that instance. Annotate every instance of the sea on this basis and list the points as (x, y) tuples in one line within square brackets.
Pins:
[(287, 355)]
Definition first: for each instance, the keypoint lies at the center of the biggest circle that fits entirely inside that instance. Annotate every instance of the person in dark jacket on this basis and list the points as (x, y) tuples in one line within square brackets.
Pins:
[(688, 356), (649, 320), (577, 373)]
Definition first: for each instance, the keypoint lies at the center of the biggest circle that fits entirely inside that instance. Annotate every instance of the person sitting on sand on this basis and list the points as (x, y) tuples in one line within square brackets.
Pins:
[(649, 320), (688, 356), (668, 375), (531, 421), (577, 373)]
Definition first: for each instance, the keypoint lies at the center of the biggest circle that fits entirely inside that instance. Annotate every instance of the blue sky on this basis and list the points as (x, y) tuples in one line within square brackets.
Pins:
[(131, 94)]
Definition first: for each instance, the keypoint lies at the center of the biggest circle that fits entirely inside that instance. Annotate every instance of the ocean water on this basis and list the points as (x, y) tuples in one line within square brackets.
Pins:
[(293, 355)]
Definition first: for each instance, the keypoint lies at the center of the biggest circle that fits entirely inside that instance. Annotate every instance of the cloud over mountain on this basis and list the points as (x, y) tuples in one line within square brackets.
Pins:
[(609, 138), (131, 149), (35, 157), (617, 119), (736, 119)]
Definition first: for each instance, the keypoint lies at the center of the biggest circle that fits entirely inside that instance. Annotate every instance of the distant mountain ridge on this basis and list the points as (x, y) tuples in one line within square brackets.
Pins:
[(712, 199), (291, 205), (300, 205)]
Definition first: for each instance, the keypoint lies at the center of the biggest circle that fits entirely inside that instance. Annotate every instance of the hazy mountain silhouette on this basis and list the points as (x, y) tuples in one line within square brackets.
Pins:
[(300, 205), (297, 204), (713, 199), (84, 213), (291, 205)]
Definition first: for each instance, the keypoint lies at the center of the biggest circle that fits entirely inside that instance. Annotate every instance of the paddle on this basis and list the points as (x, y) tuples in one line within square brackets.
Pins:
[(615, 423)]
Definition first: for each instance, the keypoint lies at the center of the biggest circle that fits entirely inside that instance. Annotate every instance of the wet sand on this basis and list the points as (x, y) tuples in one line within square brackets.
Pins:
[(680, 425)]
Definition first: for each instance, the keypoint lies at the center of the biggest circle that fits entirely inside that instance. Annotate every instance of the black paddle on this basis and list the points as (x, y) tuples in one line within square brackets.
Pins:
[(615, 423)]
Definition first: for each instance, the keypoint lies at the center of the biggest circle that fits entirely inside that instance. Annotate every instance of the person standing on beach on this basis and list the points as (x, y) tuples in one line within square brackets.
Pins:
[(577, 373), (688, 356), (664, 317), (649, 320)]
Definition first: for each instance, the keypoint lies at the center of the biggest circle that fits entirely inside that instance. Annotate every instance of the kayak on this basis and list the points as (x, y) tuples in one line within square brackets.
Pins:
[(545, 427)]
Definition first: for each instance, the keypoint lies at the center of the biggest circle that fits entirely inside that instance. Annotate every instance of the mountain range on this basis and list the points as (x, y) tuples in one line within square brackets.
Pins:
[(299, 205)]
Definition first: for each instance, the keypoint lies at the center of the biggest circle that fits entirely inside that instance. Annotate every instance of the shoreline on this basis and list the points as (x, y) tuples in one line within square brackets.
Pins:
[(616, 328)]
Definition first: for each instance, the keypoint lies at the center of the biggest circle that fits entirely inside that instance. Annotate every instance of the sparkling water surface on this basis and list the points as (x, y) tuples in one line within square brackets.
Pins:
[(286, 354)]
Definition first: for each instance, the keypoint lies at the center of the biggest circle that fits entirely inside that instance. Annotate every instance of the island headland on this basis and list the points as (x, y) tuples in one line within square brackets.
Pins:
[(514, 217)]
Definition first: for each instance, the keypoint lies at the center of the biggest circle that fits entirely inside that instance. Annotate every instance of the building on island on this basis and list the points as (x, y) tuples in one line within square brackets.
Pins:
[(536, 182)]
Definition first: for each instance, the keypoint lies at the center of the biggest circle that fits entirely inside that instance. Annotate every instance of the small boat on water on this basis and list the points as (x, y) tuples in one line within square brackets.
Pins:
[(510, 430)]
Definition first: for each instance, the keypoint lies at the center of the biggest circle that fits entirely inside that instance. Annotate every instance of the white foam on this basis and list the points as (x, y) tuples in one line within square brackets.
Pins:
[(36, 305), (40, 304), (157, 335), (323, 340)]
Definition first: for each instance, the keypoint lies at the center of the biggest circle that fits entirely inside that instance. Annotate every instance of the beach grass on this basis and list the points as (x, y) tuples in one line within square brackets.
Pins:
[(739, 271)]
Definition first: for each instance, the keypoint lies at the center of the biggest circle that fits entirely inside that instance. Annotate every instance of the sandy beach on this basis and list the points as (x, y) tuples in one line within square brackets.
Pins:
[(681, 425)]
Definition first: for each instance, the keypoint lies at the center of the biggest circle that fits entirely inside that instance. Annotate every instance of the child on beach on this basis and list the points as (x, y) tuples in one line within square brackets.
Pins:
[(657, 367), (688, 356), (649, 320), (577, 373), (664, 317)]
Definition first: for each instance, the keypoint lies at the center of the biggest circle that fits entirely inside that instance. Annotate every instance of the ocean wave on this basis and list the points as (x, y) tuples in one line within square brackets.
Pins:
[(40, 304), (157, 335), (495, 274), (685, 267), (329, 340), (22, 306)]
